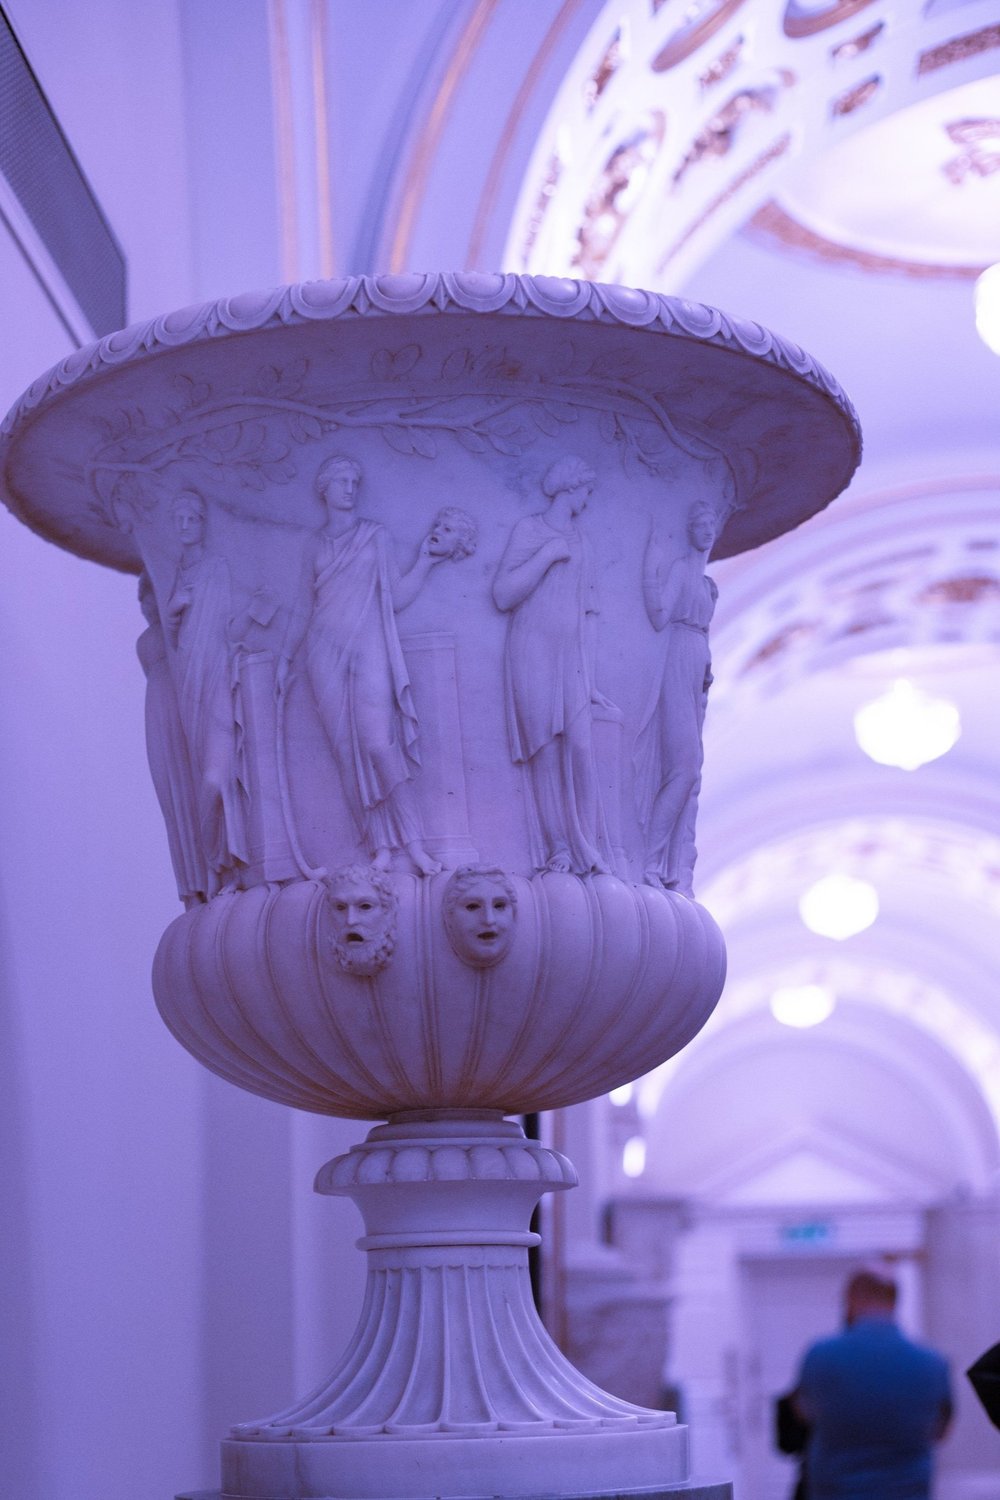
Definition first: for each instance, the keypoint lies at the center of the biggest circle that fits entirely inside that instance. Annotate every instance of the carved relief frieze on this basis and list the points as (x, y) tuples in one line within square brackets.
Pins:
[(248, 657), (254, 441), (394, 605), (260, 629)]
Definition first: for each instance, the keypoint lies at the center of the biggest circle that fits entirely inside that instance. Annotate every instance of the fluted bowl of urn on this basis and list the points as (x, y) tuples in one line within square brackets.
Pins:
[(370, 993), (422, 568)]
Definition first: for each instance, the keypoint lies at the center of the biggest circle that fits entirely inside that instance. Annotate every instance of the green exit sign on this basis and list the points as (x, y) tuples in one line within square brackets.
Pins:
[(809, 1232)]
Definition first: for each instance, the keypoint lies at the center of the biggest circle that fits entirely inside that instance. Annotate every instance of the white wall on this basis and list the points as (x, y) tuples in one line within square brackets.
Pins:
[(155, 1217)]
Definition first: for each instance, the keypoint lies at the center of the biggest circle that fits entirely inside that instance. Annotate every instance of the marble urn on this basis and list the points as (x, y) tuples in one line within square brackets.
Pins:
[(422, 569)]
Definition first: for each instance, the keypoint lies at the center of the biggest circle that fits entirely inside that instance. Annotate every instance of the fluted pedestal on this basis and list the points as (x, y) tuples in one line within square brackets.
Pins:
[(451, 1384)]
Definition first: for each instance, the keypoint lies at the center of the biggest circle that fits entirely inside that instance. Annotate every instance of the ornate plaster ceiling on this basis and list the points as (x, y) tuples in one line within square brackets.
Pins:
[(918, 191), (873, 127), (889, 583)]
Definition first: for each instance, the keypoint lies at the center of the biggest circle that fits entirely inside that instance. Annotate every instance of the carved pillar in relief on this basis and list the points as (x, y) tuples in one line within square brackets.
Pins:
[(427, 661)]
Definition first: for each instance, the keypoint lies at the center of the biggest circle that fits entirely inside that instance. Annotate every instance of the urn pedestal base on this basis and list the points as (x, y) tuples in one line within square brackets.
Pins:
[(517, 1468), (451, 1386)]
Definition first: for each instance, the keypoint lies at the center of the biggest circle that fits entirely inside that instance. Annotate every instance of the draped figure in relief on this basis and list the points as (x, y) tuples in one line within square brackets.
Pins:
[(545, 582), (354, 660), (197, 619), (169, 758), (680, 601), (257, 632)]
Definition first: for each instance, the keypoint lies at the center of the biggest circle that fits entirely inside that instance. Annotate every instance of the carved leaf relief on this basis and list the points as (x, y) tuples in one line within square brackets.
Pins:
[(393, 365)]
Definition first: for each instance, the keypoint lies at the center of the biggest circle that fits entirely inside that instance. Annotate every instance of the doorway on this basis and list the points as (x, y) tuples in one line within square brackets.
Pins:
[(787, 1302)]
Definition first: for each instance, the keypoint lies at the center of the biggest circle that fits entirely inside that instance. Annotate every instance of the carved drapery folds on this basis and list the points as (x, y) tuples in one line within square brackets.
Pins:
[(287, 608), (545, 580), (680, 600), (169, 755), (341, 696)]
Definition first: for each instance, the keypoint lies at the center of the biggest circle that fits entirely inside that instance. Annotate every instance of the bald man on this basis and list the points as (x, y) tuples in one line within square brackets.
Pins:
[(875, 1402)]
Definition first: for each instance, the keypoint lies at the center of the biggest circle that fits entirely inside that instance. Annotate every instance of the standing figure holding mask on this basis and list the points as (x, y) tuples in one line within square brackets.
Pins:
[(354, 661)]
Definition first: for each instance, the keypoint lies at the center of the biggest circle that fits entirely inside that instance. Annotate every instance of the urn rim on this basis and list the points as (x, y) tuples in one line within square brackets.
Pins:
[(701, 337)]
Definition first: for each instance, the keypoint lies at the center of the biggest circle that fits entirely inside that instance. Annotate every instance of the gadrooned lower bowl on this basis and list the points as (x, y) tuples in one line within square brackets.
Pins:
[(603, 980)]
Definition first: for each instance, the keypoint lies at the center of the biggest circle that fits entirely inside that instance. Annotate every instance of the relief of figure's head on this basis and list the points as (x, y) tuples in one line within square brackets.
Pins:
[(363, 915), (479, 908), (571, 476), (702, 526), (337, 482), (453, 534), (189, 511)]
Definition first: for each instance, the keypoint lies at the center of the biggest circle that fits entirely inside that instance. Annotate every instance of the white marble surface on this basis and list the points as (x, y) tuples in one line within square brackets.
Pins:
[(426, 657)]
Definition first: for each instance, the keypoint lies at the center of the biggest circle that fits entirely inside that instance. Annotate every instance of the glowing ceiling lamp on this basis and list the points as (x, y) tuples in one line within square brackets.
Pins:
[(622, 1095), (802, 1005), (839, 906), (634, 1156), (987, 296), (906, 727)]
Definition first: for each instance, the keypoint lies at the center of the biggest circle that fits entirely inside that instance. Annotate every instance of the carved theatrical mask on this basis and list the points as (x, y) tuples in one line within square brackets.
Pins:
[(479, 910), (362, 908), (453, 535)]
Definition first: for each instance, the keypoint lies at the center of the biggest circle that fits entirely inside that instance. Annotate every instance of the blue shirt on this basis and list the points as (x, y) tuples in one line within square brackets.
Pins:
[(875, 1402)]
